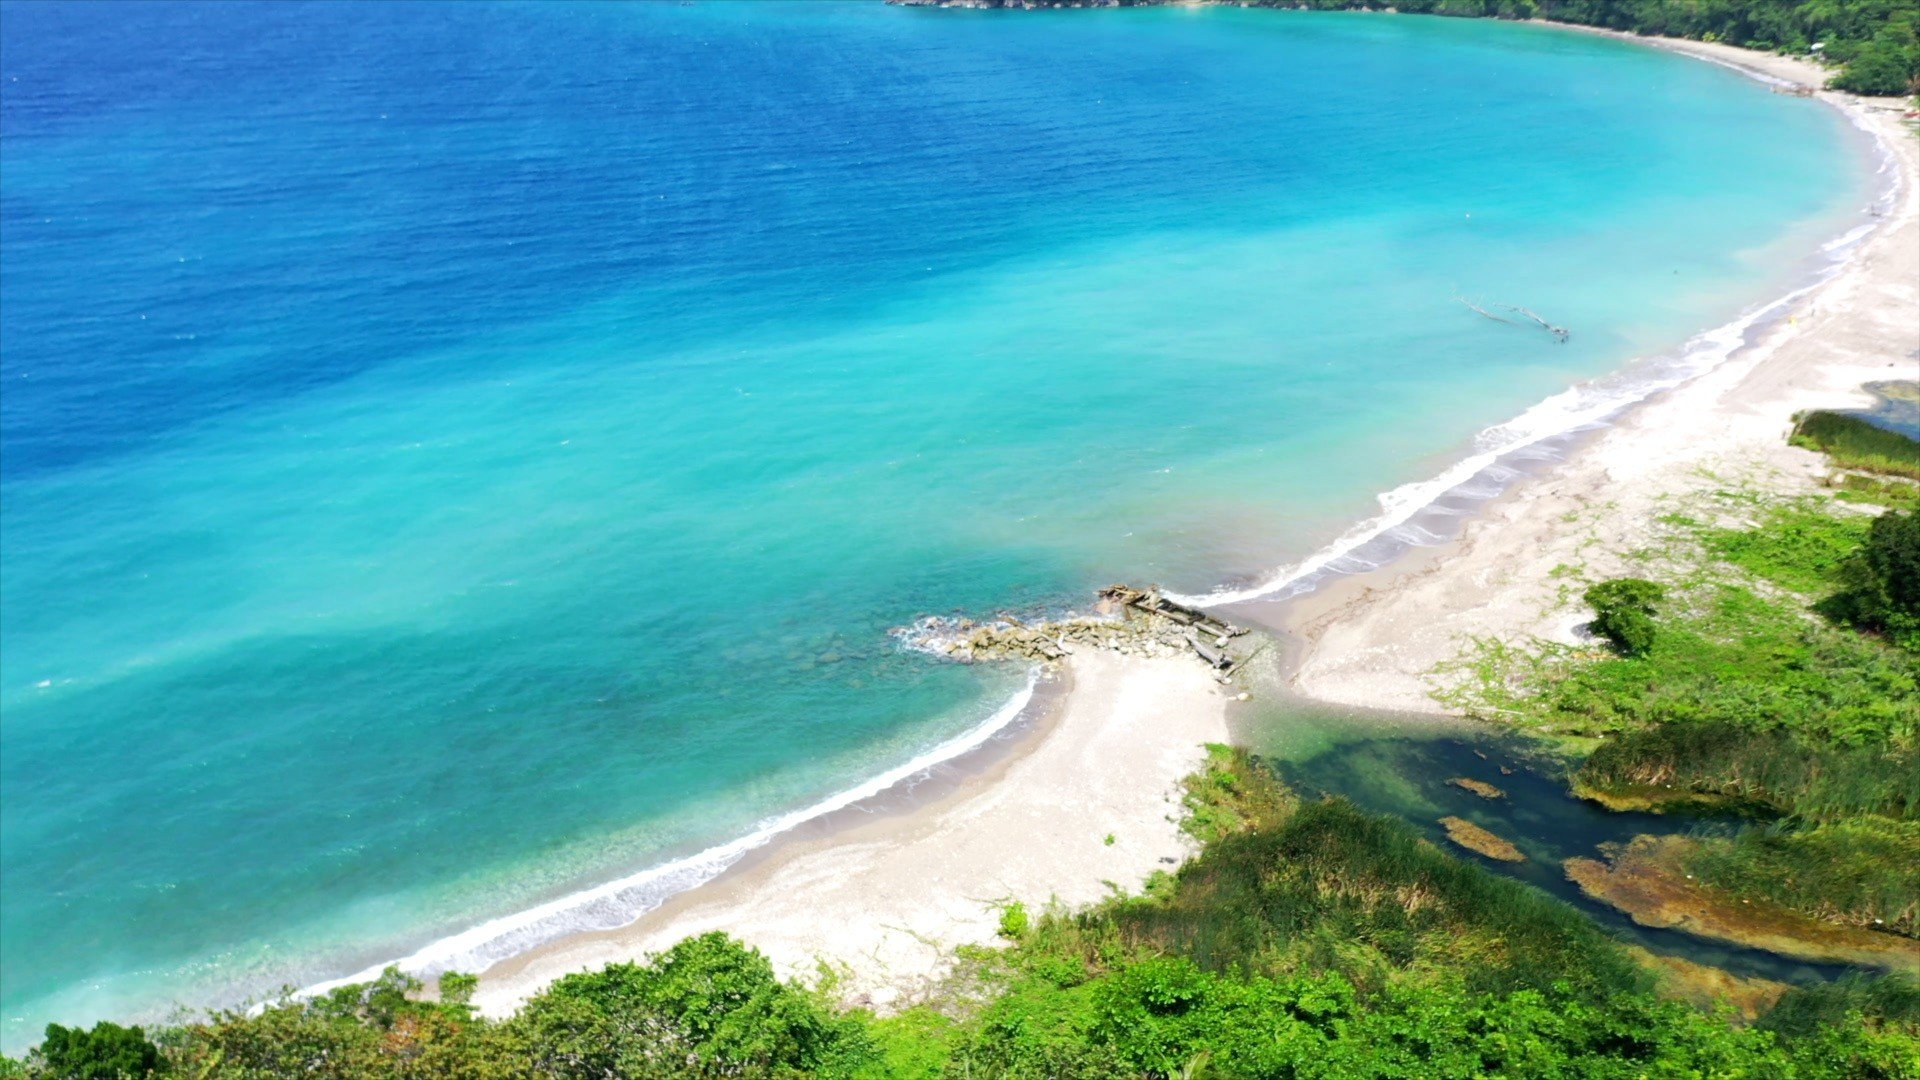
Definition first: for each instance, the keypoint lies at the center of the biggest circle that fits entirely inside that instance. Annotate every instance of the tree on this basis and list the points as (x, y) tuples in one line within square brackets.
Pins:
[(1881, 67), (709, 1005), (108, 1052), (1883, 579), (1623, 613)]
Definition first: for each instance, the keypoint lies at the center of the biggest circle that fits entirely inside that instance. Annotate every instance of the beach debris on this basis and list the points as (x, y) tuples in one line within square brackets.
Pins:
[(1477, 309), (1477, 787), (1560, 333), (1126, 620), (1478, 840)]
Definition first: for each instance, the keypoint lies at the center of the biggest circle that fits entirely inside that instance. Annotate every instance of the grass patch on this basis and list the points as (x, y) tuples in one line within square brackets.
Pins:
[(1862, 872), (1798, 545), (1747, 699), (1876, 491), (1731, 767), (1726, 656), (1229, 795), (1853, 443)]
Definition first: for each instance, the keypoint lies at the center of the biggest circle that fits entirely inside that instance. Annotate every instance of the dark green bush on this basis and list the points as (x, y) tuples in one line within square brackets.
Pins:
[(1623, 613), (107, 1052), (1883, 579), (1883, 66), (708, 1006)]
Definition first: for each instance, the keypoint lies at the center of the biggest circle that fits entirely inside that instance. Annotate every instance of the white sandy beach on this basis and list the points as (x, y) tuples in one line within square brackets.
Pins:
[(1372, 639), (884, 902)]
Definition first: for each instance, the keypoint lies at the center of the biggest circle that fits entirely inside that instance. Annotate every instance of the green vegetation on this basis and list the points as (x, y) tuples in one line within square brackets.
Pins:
[(1882, 580), (1308, 939), (1798, 544), (1875, 491), (1876, 42), (1014, 921), (1783, 683), (1854, 443), (107, 1052), (1859, 872), (1623, 611)]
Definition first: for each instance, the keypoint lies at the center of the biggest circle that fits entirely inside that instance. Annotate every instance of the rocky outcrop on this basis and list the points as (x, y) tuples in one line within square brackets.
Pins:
[(1129, 621)]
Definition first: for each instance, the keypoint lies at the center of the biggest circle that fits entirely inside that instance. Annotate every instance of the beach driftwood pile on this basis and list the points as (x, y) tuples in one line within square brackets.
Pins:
[(1126, 620)]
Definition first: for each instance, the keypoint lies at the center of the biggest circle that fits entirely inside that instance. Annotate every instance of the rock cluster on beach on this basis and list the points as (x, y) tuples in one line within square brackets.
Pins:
[(1011, 639), (1119, 624)]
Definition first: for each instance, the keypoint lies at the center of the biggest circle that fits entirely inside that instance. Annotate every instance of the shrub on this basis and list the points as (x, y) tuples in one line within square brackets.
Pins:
[(457, 988), (1014, 921), (108, 1052), (1623, 613), (1883, 579), (709, 1000)]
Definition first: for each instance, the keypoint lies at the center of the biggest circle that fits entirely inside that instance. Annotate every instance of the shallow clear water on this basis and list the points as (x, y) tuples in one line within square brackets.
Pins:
[(455, 455), (1401, 765)]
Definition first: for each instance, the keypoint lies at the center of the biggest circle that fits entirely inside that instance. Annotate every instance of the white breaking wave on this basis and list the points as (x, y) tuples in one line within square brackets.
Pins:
[(619, 902)]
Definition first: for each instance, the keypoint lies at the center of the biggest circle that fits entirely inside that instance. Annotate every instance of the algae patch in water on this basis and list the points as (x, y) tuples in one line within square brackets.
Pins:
[(1476, 839), (1646, 879)]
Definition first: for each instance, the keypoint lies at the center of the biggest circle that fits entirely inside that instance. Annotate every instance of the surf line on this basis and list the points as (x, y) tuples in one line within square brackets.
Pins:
[(619, 902), (1590, 403)]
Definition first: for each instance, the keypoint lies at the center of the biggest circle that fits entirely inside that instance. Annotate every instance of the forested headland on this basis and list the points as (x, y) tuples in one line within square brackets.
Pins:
[(1874, 45)]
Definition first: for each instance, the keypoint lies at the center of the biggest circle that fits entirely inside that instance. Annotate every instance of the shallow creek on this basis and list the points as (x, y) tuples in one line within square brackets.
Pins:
[(1400, 764)]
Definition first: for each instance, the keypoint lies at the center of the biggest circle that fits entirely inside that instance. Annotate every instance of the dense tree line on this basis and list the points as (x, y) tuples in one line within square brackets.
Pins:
[(1309, 939), (1874, 43)]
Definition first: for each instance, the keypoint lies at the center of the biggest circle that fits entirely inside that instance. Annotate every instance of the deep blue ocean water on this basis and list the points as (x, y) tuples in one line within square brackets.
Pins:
[(455, 455)]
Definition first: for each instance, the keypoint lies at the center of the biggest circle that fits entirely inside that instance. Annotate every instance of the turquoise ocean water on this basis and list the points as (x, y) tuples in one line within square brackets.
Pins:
[(457, 456)]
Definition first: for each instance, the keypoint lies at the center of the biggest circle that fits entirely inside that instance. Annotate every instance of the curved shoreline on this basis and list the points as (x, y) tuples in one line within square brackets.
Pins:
[(1372, 637), (775, 857), (1504, 452), (619, 902), (1088, 803)]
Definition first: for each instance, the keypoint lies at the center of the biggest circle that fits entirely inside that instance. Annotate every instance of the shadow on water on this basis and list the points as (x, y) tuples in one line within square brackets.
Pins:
[(1401, 765)]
